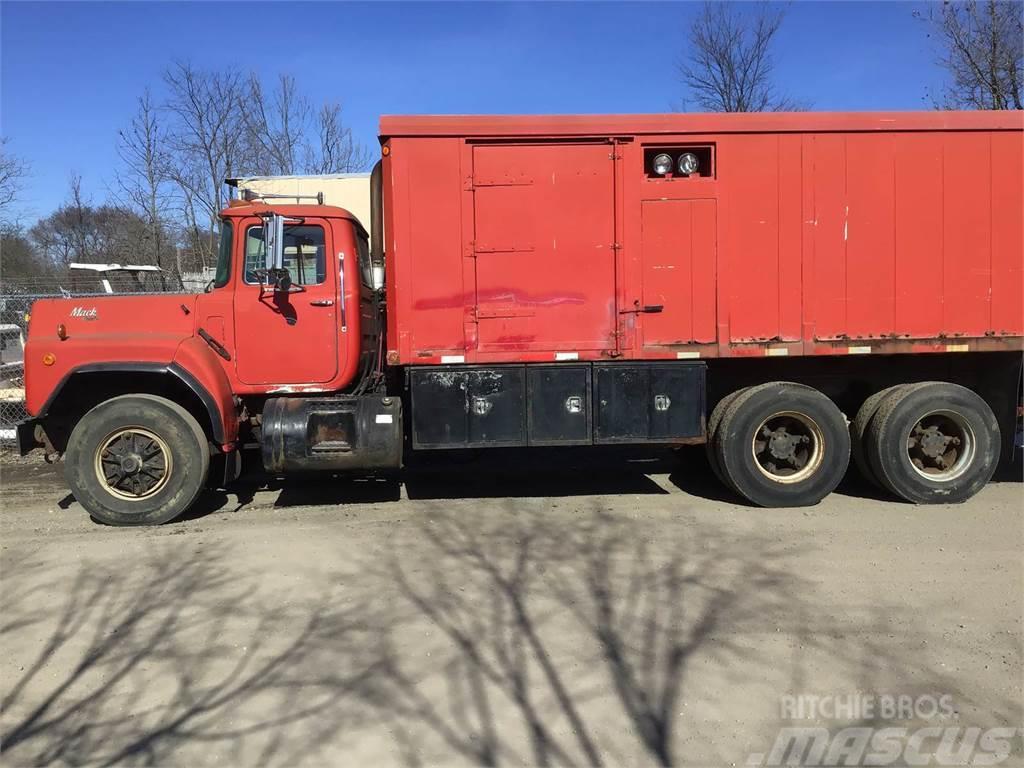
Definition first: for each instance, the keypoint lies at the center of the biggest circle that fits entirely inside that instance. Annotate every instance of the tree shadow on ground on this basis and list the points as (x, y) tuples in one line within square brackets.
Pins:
[(172, 654), (576, 641), (502, 635)]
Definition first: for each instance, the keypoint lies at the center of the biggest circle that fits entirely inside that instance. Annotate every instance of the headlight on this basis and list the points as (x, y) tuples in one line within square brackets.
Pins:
[(688, 163), (662, 164)]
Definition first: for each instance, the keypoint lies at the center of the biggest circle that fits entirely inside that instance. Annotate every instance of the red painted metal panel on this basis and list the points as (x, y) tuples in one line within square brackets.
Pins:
[(506, 126), (869, 233), (545, 262), (828, 155), (967, 245), (749, 166), (1007, 233), (428, 244), (832, 232), (918, 209), (678, 254), (790, 311)]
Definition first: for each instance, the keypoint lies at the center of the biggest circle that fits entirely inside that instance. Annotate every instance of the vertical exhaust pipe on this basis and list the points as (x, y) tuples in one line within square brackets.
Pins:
[(377, 213)]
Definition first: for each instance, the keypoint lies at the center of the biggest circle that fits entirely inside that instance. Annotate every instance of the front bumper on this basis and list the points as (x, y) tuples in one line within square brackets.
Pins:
[(29, 436)]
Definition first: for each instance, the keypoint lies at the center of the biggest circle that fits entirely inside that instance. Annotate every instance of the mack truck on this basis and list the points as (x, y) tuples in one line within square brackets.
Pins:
[(798, 292)]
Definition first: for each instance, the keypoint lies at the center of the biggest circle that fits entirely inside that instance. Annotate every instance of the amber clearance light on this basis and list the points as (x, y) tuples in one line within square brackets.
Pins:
[(49, 358)]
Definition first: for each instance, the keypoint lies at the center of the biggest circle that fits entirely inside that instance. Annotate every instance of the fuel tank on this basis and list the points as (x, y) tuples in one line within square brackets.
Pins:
[(332, 433)]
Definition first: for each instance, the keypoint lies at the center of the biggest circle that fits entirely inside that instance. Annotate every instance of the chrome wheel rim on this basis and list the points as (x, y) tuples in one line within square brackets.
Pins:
[(788, 447), (941, 446), (133, 463)]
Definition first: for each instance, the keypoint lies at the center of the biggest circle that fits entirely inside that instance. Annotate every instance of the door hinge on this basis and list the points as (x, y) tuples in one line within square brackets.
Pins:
[(616, 246)]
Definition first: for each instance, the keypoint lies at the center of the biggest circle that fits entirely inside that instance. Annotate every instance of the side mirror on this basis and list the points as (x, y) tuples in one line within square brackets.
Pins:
[(273, 238), (281, 279)]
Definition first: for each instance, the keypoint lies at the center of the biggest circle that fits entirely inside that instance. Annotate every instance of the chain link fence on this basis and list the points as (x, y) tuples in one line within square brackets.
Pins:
[(16, 299)]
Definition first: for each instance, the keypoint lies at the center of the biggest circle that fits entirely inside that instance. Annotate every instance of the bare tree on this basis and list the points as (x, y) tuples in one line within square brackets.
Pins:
[(207, 139), (285, 137), (982, 50), (728, 67), (19, 258), (79, 231), (276, 124), (144, 185), (12, 172), (337, 151)]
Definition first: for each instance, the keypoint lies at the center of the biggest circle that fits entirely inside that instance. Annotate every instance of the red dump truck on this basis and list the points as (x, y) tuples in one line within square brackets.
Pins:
[(792, 290)]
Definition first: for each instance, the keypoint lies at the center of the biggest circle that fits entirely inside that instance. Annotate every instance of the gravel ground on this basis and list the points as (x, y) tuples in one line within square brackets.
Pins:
[(556, 608)]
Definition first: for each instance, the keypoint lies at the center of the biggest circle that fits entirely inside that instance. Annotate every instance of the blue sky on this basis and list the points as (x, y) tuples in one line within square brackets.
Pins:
[(70, 72)]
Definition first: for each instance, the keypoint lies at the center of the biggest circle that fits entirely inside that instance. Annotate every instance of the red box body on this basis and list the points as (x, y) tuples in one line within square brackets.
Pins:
[(548, 238)]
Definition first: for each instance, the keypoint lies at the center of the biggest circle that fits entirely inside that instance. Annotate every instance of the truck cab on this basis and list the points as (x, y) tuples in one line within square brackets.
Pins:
[(290, 314), (144, 394)]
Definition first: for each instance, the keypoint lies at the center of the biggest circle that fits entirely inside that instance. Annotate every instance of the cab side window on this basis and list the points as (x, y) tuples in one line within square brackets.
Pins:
[(305, 253)]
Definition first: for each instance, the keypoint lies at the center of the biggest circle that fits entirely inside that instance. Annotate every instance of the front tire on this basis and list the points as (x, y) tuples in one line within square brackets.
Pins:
[(934, 443), (783, 445), (137, 460)]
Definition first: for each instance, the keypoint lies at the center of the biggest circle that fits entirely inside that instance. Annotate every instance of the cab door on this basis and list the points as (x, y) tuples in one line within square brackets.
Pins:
[(288, 338)]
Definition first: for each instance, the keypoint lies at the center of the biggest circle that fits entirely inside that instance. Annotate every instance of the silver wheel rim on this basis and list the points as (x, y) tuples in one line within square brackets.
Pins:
[(941, 446), (788, 447), (133, 463)]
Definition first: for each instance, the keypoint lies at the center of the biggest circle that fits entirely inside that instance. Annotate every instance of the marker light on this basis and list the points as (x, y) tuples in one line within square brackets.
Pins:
[(662, 164), (49, 358), (688, 163)]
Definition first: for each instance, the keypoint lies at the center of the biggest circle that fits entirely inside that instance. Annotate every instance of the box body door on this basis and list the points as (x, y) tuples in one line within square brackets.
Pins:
[(544, 232), (678, 254)]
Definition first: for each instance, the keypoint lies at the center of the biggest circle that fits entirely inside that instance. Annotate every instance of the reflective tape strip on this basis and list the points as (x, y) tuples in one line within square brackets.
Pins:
[(776, 352), (957, 347), (453, 358), (687, 355), (567, 355), (858, 350)]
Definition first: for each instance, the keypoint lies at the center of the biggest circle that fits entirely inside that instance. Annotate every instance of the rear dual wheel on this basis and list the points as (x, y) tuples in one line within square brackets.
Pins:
[(780, 444), (712, 431), (859, 429), (932, 442)]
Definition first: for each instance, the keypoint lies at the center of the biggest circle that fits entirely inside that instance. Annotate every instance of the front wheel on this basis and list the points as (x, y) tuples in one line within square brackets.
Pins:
[(137, 460)]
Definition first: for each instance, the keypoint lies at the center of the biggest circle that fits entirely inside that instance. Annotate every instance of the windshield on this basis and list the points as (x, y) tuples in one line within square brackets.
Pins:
[(224, 255)]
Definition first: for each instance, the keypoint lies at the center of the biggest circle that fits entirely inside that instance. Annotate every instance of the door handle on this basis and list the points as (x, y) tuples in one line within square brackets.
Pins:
[(638, 310), (321, 303)]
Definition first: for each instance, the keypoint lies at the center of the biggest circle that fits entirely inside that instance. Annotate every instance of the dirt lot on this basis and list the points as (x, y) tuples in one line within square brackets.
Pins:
[(565, 609)]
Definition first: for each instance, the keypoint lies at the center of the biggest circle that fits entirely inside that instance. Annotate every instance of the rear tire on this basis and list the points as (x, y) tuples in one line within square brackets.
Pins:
[(137, 460), (712, 436), (858, 433), (934, 443), (783, 445)]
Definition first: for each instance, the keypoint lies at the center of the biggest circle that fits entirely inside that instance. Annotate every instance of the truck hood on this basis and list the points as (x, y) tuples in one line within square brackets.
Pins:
[(106, 316), (67, 334)]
